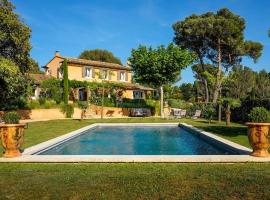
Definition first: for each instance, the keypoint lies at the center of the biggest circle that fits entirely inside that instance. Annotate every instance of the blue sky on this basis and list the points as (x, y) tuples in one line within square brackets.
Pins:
[(72, 26)]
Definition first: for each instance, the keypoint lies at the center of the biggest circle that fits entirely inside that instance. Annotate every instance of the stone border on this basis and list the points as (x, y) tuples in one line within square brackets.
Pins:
[(29, 158)]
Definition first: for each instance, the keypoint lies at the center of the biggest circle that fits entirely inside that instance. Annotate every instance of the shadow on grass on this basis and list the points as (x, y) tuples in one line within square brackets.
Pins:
[(225, 131)]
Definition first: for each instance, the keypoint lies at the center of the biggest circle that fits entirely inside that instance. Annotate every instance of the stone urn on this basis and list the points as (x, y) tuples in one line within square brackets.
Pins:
[(12, 136), (258, 135)]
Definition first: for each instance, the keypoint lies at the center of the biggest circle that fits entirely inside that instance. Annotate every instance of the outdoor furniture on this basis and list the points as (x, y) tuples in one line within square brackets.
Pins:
[(176, 112), (136, 112), (183, 113), (197, 114)]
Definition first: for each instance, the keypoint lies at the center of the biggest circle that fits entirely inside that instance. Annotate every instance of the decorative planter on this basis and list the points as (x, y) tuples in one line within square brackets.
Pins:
[(12, 136), (258, 135)]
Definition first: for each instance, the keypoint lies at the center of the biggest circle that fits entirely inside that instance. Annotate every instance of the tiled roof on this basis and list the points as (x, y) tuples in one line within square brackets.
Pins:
[(96, 63), (38, 78), (134, 86)]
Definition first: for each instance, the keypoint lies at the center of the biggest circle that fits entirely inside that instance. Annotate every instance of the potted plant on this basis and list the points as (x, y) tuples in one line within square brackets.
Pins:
[(12, 134), (258, 130)]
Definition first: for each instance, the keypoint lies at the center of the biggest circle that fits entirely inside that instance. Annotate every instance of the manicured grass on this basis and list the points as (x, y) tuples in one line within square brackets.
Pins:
[(134, 181)]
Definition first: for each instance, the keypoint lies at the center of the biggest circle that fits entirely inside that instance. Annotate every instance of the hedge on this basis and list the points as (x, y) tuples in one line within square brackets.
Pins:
[(241, 114)]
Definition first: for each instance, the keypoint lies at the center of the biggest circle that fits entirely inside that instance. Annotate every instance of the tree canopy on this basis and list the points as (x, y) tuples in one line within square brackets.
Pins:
[(14, 36), (100, 55), (216, 37), (159, 67), (13, 84)]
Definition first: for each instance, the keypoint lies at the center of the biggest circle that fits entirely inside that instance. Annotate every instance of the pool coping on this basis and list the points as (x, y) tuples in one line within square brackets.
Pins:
[(27, 156)]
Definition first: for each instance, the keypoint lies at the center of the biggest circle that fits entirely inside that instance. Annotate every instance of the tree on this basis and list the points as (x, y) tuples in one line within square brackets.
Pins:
[(189, 34), (202, 74), (262, 86), (240, 82), (222, 35), (160, 66), (187, 91), (13, 85), (14, 36), (230, 103), (34, 67), (100, 55), (52, 88), (65, 78)]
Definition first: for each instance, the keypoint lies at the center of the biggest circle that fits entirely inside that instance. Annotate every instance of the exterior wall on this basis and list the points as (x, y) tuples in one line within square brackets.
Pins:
[(92, 113), (54, 65), (76, 73), (128, 94)]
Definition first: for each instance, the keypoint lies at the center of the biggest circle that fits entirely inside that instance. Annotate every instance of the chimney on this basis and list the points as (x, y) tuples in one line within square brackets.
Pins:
[(57, 53)]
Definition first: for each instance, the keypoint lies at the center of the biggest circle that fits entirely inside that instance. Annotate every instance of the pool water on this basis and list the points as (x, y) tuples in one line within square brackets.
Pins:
[(136, 140)]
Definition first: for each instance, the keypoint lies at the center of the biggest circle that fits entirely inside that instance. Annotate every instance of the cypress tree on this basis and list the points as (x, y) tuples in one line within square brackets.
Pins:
[(66, 89)]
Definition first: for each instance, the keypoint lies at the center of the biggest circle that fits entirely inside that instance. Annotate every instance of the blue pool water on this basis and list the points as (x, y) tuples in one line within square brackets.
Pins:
[(121, 140)]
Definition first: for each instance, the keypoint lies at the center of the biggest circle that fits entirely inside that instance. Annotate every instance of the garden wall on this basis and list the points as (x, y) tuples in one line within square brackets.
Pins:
[(55, 113)]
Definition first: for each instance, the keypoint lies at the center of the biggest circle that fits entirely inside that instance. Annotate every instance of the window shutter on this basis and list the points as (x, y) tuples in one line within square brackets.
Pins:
[(83, 72), (118, 75), (93, 72), (110, 74), (126, 73)]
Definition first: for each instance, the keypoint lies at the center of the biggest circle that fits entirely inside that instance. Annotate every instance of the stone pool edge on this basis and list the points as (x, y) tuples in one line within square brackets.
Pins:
[(28, 158)]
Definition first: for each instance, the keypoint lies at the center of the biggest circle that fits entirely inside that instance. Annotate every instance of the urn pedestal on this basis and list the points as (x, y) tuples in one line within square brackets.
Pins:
[(258, 135), (12, 136)]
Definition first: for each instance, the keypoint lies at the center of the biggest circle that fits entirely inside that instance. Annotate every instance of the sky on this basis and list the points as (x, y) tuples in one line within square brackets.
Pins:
[(71, 26)]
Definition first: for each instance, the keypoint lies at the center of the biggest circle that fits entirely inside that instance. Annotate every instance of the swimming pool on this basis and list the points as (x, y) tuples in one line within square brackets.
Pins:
[(137, 140)]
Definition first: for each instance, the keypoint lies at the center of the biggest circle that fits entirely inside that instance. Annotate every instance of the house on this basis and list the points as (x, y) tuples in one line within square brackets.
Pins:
[(96, 71)]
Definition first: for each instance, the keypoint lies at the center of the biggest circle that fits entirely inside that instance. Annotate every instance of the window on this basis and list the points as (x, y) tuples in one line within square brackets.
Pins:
[(88, 72), (60, 73), (104, 74), (137, 94), (122, 76)]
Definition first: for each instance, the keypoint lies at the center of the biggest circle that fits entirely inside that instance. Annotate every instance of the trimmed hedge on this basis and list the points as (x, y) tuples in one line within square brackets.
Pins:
[(241, 114)]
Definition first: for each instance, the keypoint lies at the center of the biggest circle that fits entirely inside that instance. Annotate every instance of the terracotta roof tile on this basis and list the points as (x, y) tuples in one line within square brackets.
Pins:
[(96, 63)]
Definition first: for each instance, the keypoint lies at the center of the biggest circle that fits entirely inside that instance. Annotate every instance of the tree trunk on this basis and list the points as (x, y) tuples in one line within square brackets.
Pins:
[(219, 108), (219, 113), (161, 102), (228, 118), (218, 80), (206, 91), (102, 101), (205, 83), (228, 115)]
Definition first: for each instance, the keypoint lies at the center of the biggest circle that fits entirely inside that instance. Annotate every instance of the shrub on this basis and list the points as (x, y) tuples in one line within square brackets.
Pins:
[(42, 100), (11, 118), (241, 114), (33, 104), (154, 105), (259, 114), (68, 110), (83, 105), (178, 103), (209, 112), (49, 104)]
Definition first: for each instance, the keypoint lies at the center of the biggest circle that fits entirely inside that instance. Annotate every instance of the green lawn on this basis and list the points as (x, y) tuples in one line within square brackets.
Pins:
[(134, 181)]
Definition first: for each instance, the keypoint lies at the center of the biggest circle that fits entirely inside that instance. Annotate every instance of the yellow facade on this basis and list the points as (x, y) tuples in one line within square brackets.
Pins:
[(92, 71)]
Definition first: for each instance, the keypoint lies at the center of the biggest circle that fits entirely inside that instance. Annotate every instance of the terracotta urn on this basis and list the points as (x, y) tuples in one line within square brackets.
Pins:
[(258, 135), (12, 136)]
